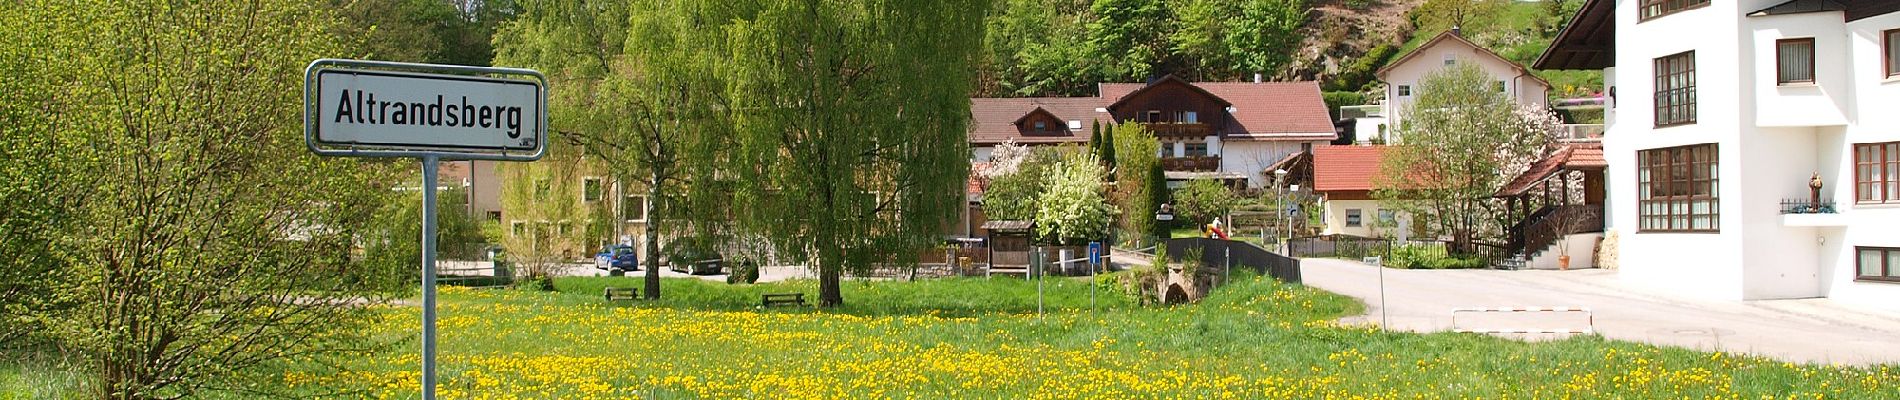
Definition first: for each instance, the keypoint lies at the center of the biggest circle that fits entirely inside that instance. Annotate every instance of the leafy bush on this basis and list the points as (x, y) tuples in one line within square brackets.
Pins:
[(1431, 256)]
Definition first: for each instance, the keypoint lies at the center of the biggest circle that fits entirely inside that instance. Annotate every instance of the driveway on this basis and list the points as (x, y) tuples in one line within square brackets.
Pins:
[(1806, 330)]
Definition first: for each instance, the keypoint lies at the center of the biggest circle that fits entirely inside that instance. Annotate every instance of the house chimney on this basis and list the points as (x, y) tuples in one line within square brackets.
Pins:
[(1456, 31), (1256, 77)]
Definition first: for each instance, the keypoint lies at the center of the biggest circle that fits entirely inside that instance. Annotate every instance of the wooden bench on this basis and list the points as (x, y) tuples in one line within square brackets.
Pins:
[(773, 299), (614, 293)]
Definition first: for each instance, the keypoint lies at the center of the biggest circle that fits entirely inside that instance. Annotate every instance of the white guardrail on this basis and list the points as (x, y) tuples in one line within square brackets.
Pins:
[(1590, 328)]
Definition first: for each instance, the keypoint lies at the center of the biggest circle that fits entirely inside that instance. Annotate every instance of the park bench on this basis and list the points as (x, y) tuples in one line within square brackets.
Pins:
[(614, 293), (773, 299)]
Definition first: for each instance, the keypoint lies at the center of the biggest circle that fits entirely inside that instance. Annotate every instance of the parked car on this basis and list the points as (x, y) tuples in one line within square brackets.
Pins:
[(694, 260), (617, 258)]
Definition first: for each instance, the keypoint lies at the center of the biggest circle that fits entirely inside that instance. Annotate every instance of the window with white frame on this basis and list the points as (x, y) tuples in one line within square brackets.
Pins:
[(592, 189), (1352, 217)]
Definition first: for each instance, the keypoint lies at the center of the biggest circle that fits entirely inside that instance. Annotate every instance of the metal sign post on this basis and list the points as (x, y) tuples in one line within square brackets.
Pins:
[(355, 108), (1095, 261)]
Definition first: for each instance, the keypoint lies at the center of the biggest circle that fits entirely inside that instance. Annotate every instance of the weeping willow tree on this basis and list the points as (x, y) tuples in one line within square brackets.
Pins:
[(850, 121)]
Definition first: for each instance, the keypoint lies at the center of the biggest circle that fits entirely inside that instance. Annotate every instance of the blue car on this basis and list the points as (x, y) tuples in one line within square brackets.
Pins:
[(617, 258)]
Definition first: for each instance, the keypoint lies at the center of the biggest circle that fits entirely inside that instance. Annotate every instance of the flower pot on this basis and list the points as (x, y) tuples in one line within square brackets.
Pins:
[(1563, 262)]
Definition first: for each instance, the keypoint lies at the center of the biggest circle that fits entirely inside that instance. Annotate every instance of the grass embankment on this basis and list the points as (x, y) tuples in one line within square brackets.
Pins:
[(981, 338)]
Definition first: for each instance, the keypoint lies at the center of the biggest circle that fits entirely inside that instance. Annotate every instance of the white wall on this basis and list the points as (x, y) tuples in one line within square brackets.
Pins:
[(1252, 157), (1823, 102), (1525, 89), (1695, 264), (1874, 120), (1582, 253), (981, 153)]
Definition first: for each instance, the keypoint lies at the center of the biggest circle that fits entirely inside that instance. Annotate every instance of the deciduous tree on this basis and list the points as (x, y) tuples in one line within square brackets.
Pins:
[(204, 243), (1461, 140), (850, 130)]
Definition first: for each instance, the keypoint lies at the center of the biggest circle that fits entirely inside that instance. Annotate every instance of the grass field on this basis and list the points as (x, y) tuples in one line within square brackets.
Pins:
[(982, 338)]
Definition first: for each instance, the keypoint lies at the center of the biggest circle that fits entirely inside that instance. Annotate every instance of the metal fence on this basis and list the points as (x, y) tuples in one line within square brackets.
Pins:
[(1228, 253), (1342, 246)]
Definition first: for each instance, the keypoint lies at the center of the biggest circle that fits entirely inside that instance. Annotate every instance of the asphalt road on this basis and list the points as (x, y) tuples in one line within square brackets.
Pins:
[(1807, 330)]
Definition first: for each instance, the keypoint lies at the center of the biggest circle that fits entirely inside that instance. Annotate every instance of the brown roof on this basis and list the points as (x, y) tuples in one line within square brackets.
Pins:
[(1587, 43), (1263, 111), (1453, 35), (1572, 157), (1346, 168), (994, 119)]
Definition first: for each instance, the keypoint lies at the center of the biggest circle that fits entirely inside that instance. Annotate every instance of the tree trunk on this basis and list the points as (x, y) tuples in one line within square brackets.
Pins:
[(652, 291), (830, 268)]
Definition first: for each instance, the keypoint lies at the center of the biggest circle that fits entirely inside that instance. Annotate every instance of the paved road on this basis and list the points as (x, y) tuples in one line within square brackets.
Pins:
[(1809, 330)]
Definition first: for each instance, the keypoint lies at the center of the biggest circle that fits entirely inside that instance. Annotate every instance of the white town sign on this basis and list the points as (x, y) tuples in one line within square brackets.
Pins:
[(387, 109)]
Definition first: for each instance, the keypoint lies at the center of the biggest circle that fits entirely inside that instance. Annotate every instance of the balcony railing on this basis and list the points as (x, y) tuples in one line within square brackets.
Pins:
[(1805, 206), (1179, 129), (1191, 163), (1580, 132)]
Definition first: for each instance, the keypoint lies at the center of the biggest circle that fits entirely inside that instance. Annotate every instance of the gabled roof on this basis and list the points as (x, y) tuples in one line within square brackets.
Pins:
[(1453, 36), (1588, 42), (1346, 168), (1262, 110), (1165, 80), (993, 120), (1038, 111), (1572, 157)]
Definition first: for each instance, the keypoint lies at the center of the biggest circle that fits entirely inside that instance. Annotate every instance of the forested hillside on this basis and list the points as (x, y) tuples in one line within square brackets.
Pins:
[(1064, 47)]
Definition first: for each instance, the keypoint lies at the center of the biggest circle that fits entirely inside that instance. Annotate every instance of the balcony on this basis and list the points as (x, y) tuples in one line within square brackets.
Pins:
[(1810, 213), (1178, 129), (1191, 163), (1580, 132)]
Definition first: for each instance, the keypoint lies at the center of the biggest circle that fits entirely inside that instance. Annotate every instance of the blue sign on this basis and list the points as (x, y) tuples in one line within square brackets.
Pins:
[(1095, 253)]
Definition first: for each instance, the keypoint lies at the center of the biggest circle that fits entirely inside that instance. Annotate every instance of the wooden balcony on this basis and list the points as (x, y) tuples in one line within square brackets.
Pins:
[(1179, 129), (1191, 163)]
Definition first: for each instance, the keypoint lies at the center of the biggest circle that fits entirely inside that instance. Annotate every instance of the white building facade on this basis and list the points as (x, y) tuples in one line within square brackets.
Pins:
[(1720, 115), (1403, 75)]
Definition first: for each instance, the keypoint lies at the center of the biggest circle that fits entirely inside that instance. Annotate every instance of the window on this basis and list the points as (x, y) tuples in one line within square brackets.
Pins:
[(1794, 61), (518, 228), (1451, 59), (634, 208), (1657, 8), (1405, 90), (591, 190), (1877, 172), (1352, 217), (1890, 51), (1676, 187), (1388, 217), (1499, 86), (1192, 117), (1675, 89), (1042, 126), (1196, 149), (1153, 116), (1877, 264)]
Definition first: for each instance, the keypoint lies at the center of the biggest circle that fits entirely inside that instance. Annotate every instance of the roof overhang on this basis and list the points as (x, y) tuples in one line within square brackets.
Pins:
[(1587, 43), (1854, 10)]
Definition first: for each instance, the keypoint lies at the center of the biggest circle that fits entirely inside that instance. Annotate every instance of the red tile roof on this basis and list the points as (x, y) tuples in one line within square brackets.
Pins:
[(1346, 168), (1576, 156), (1265, 110), (994, 119)]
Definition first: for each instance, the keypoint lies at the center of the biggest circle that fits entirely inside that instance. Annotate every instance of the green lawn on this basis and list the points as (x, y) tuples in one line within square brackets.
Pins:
[(982, 338)]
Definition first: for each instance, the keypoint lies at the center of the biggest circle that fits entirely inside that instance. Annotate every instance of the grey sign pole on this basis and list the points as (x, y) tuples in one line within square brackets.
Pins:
[(338, 123), (428, 276)]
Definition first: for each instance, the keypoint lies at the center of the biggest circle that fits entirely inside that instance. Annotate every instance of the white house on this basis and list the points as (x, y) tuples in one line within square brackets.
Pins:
[(1402, 76), (1720, 114)]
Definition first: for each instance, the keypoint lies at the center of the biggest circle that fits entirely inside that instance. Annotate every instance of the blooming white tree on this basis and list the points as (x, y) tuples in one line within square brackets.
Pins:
[(1072, 209), (1005, 159)]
